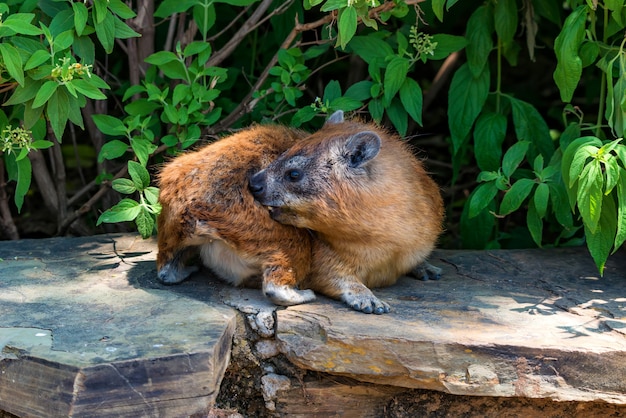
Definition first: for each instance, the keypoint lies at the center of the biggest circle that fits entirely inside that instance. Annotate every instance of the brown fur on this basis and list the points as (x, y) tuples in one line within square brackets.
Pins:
[(206, 204), (373, 222)]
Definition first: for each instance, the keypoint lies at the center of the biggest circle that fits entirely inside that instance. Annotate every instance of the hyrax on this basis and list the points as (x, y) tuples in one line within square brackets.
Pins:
[(374, 211), (207, 205)]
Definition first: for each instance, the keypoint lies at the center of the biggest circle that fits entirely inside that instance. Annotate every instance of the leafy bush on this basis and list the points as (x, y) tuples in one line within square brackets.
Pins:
[(526, 140)]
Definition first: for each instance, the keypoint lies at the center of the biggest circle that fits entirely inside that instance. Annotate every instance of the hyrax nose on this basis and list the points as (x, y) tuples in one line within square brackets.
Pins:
[(257, 184)]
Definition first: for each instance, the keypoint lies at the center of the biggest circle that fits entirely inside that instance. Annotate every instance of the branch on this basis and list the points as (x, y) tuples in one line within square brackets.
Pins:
[(6, 218), (87, 206), (230, 46)]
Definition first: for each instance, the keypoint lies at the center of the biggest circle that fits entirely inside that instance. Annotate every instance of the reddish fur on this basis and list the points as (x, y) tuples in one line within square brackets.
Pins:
[(205, 197), (369, 229)]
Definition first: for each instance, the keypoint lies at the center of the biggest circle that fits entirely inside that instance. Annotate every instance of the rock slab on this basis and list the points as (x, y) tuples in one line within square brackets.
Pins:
[(527, 323), (85, 330)]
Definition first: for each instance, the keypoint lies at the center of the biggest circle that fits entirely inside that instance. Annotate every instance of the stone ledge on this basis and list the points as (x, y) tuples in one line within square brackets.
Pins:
[(85, 330)]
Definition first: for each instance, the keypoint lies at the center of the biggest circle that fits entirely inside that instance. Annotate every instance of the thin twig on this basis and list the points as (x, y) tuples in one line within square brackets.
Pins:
[(230, 46), (440, 79), (86, 207)]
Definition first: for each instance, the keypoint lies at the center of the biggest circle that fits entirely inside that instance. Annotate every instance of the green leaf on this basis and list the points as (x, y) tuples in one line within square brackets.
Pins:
[(12, 62), (505, 19), (58, 110), (303, 115), (371, 49), (122, 30), (84, 87), (105, 32), (205, 17), (615, 113), (360, 90), (347, 21), (569, 65), (398, 116), (112, 149), (139, 174), (489, 134), (479, 42), (161, 57), (121, 9), (530, 126), (620, 236), (466, 98), (437, 6), (331, 5), (513, 157), (589, 196), (24, 93), (516, 195), (24, 175), (145, 223), (579, 161), (109, 125), (64, 40), (476, 230), (41, 144), (101, 11), (169, 7), (571, 184), (600, 239), (560, 205), (20, 23), (411, 98), (482, 196), (346, 104), (44, 94), (332, 91), (195, 48), (541, 198), (534, 222), (39, 57), (124, 186), (126, 210), (85, 49), (143, 148), (376, 109), (152, 195), (395, 75), (446, 45)]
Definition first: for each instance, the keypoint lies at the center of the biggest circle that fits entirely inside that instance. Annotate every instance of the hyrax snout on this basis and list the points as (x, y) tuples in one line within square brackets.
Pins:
[(207, 207), (374, 211)]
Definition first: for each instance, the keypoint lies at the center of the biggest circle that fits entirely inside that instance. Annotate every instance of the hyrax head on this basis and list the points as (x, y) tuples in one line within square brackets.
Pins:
[(322, 178)]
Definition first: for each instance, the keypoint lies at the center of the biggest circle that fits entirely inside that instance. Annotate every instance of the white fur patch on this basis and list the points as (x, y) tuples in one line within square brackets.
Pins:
[(224, 261), (286, 295)]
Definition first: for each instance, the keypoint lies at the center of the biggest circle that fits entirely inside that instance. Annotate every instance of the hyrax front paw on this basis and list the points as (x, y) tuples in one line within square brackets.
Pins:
[(173, 273), (361, 299), (426, 271), (286, 296)]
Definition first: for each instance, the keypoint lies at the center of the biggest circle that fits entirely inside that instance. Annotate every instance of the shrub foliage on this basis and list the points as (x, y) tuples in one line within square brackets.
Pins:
[(519, 104)]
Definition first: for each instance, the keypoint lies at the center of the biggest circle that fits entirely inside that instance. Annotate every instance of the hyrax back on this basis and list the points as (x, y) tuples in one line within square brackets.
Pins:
[(375, 212), (207, 205)]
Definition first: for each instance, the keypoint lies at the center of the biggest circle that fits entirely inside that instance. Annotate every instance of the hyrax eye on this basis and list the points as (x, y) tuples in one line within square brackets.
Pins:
[(293, 175)]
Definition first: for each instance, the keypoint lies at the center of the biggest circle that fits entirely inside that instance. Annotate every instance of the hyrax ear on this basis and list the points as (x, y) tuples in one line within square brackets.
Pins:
[(361, 148), (336, 117)]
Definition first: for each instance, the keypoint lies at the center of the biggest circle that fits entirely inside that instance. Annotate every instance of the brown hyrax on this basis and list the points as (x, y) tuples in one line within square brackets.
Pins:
[(375, 213), (207, 206)]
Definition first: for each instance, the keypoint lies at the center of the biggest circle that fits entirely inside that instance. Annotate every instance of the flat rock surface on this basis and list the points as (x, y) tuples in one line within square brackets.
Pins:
[(85, 330), (532, 323), (84, 325)]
